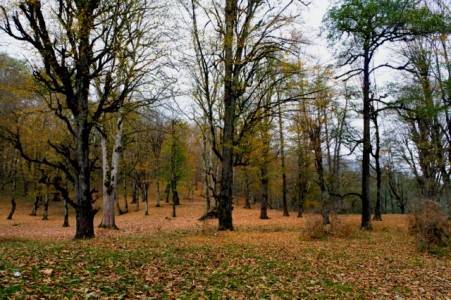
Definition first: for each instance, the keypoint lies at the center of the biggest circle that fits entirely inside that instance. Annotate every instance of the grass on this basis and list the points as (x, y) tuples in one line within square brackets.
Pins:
[(273, 260)]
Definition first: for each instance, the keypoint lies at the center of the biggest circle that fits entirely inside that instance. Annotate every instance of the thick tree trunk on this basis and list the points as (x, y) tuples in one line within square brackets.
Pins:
[(84, 210), (282, 158), (366, 208), (110, 175), (84, 217), (225, 205)]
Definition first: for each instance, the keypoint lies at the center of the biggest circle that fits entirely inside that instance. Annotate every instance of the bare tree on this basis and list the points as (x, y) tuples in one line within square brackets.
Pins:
[(72, 58), (248, 35)]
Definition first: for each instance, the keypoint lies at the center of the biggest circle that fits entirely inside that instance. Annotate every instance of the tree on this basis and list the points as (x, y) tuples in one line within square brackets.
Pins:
[(282, 162), (15, 87), (137, 63), (73, 58), (174, 160), (248, 36), (366, 26), (423, 114)]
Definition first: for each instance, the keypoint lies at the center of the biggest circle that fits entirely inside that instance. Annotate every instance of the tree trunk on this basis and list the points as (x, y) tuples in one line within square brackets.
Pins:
[(45, 213), (125, 195), (366, 208), (301, 169), (207, 169), (13, 208), (167, 191), (175, 197), (264, 181), (137, 197), (145, 198), (13, 189), (225, 205), (37, 200), (110, 175), (378, 208), (108, 207), (134, 192), (301, 201), (66, 214), (315, 138), (84, 210), (282, 158)]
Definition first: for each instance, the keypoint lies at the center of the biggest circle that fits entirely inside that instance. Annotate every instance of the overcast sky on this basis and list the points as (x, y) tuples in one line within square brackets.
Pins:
[(318, 51)]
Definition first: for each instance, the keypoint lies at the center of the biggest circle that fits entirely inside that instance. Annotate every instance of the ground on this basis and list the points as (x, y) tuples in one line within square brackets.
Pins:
[(161, 257)]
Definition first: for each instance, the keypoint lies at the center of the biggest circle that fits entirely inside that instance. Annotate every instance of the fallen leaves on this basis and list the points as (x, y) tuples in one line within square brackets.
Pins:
[(261, 259), (47, 272)]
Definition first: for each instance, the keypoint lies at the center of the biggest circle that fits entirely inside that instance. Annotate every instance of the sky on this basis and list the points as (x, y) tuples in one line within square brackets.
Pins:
[(312, 17), (317, 50)]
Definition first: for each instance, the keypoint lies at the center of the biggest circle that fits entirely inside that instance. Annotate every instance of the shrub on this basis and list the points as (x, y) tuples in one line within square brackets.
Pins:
[(315, 229), (431, 227)]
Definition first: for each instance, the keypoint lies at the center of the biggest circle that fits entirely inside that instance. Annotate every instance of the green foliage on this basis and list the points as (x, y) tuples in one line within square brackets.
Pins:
[(370, 23)]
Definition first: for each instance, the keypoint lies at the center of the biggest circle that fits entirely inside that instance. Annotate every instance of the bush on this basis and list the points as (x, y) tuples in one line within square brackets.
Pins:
[(431, 228), (315, 229)]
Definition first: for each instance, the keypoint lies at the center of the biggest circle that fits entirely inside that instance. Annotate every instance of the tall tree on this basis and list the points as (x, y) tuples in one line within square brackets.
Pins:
[(366, 25), (282, 161), (248, 34), (72, 58)]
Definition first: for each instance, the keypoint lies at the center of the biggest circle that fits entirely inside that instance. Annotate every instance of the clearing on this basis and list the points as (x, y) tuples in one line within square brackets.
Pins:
[(160, 257)]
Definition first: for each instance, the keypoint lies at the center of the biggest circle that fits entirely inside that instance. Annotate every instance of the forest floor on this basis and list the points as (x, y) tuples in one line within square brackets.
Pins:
[(161, 257)]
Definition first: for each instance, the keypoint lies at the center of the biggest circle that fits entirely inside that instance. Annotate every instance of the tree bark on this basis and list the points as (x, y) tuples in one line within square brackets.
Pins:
[(110, 174), (378, 207), (145, 198), (264, 181), (366, 207), (66, 214), (84, 210), (225, 205), (37, 200), (135, 192), (175, 199), (45, 213), (125, 195), (247, 196), (13, 189)]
